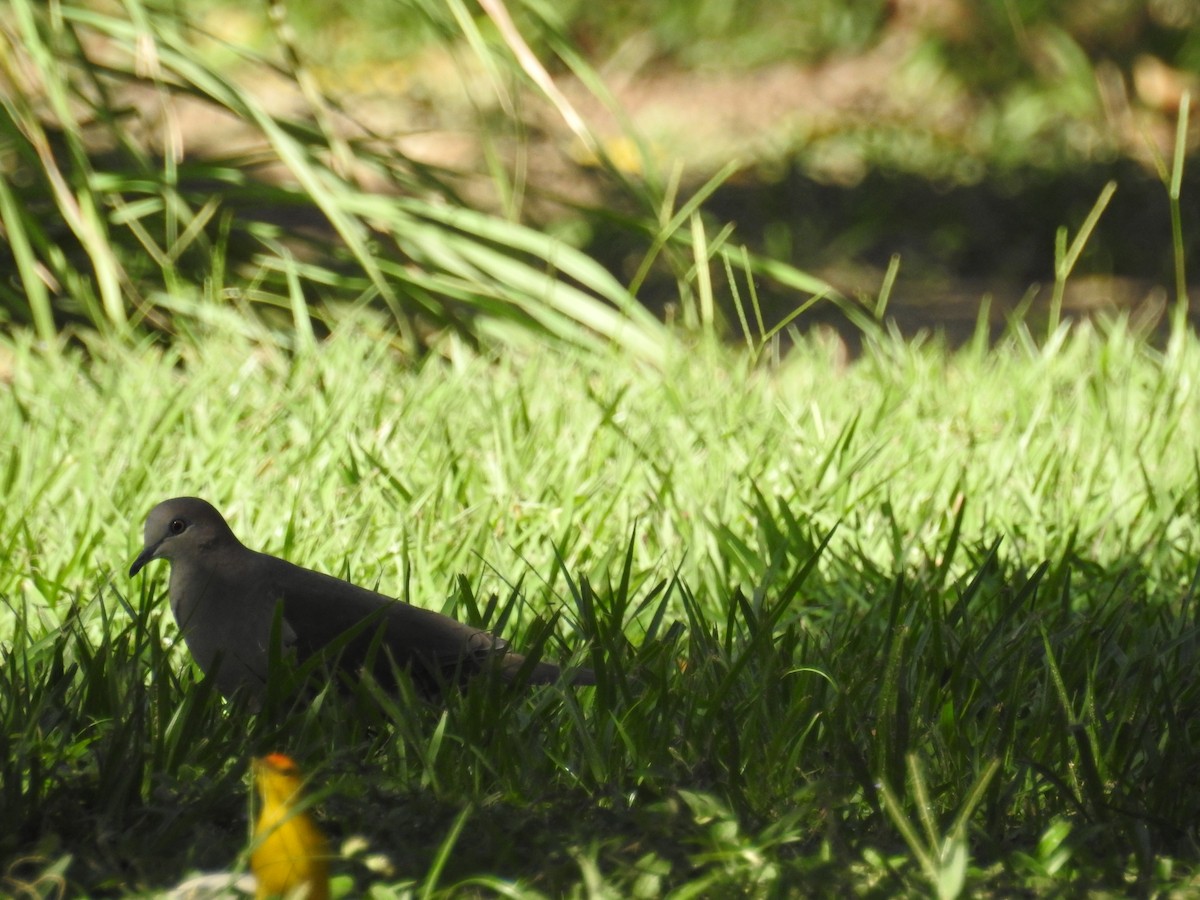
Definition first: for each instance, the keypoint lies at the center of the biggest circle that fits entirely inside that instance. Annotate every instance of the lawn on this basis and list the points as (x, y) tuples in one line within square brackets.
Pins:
[(925, 615), (870, 615)]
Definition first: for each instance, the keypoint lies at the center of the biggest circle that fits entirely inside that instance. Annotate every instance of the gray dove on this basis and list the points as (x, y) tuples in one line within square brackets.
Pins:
[(225, 596)]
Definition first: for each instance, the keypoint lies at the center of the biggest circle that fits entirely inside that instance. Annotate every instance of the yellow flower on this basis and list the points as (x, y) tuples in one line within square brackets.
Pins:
[(289, 852)]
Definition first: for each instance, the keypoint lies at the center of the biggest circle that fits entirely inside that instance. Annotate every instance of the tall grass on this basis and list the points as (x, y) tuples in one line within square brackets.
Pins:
[(114, 222), (143, 229)]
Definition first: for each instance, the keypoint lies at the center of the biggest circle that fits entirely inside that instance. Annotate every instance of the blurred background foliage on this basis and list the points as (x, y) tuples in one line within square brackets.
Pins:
[(828, 139), (957, 135), (1013, 73), (950, 90)]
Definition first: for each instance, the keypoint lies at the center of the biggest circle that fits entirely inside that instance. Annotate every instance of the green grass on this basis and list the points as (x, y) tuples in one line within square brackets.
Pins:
[(922, 621), (923, 618)]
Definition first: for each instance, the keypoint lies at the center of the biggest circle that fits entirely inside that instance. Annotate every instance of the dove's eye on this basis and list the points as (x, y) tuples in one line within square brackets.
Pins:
[(177, 526)]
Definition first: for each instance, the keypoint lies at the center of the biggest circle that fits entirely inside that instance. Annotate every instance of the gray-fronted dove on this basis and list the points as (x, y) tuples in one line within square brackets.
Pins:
[(225, 595)]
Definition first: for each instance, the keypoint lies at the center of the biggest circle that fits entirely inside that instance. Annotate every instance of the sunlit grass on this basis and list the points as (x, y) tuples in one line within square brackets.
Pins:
[(819, 597)]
